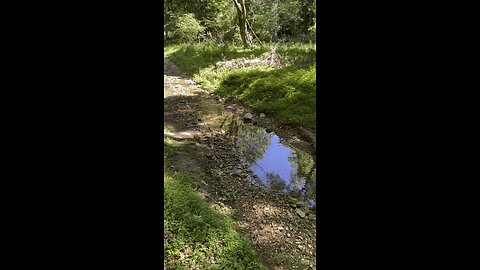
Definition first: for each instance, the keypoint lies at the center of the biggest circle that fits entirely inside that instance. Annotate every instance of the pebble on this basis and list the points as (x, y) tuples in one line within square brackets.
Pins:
[(300, 213), (248, 116)]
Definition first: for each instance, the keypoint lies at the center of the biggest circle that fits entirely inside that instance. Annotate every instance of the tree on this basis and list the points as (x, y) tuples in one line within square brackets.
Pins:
[(243, 23), (262, 20)]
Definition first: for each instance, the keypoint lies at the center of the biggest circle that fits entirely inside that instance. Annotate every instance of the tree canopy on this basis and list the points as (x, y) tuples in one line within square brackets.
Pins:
[(245, 21)]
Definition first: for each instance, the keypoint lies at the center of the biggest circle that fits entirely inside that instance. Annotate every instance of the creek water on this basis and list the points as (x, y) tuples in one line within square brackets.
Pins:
[(277, 166)]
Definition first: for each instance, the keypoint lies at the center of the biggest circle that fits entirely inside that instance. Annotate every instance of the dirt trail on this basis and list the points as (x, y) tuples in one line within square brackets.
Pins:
[(197, 123)]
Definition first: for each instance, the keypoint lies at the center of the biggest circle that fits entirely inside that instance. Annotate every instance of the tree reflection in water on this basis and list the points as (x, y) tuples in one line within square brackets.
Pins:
[(252, 141)]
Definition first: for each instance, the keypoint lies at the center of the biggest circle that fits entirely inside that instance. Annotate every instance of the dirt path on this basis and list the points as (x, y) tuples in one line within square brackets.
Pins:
[(199, 125)]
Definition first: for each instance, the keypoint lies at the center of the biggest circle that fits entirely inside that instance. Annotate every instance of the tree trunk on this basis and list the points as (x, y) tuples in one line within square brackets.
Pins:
[(242, 22)]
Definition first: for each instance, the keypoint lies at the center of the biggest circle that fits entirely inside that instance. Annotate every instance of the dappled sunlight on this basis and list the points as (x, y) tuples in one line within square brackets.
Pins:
[(198, 234), (175, 143), (287, 92), (209, 200), (261, 210), (182, 135), (268, 226), (196, 54)]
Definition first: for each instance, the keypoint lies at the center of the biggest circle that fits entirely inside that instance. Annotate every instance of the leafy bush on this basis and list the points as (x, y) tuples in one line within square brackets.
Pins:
[(187, 28)]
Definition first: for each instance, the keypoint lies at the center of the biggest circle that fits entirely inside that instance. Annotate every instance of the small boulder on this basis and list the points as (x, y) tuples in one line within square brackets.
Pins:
[(300, 213), (248, 117)]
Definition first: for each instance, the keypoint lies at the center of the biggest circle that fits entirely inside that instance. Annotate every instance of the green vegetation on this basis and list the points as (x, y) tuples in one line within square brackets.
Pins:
[(265, 20), (287, 94), (197, 235), (198, 35), (187, 28)]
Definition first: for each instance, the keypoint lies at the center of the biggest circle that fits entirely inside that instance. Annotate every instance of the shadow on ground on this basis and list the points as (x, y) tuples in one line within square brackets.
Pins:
[(259, 217)]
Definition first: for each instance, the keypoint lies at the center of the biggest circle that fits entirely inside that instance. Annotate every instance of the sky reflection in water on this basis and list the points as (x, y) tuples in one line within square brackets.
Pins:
[(277, 165)]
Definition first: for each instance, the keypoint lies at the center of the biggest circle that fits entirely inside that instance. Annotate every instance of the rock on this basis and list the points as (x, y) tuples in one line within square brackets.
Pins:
[(248, 116), (300, 213), (262, 115)]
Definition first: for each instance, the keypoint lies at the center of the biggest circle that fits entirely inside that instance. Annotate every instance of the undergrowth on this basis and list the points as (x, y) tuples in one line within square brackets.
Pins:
[(287, 94), (195, 235)]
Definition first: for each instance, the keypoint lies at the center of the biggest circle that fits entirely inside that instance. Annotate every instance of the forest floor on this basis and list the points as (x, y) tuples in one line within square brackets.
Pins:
[(199, 144)]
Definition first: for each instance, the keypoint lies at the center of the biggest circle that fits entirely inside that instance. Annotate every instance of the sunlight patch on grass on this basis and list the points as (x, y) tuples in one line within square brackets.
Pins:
[(287, 94)]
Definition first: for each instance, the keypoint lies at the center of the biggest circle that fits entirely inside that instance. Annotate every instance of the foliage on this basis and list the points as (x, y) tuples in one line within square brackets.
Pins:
[(187, 28), (287, 94), (270, 20), (195, 234)]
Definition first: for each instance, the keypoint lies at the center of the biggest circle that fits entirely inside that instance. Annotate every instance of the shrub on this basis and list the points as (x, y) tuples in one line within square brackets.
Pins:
[(187, 28)]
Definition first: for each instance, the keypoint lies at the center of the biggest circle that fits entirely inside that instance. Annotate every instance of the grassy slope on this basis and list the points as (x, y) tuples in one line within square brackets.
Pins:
[(288, 94), (195, 233)]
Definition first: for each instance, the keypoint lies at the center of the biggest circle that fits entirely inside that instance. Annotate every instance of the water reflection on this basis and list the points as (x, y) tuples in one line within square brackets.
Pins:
[(278, 167)]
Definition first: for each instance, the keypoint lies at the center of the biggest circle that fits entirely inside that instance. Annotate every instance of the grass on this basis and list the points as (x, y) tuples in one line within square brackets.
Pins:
[(195, 234), (287, 95)]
